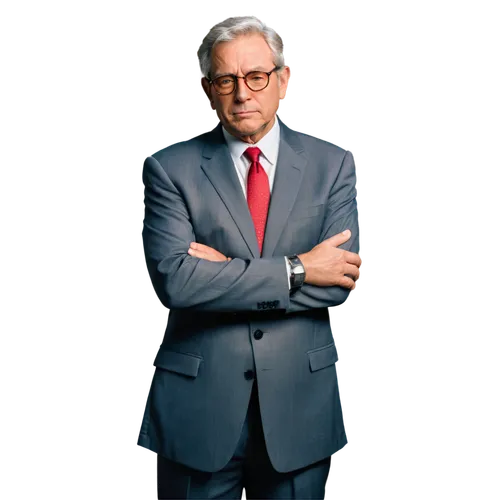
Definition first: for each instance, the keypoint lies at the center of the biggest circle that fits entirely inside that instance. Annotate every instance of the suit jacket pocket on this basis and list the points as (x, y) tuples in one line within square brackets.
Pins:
[(180, 362), (322, 356)]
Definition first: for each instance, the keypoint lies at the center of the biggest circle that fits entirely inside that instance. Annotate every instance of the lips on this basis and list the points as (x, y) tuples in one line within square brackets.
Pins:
[(244, 113)]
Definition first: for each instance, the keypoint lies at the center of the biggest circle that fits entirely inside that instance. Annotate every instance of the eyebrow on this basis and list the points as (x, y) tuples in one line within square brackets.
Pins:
[(255, 68)]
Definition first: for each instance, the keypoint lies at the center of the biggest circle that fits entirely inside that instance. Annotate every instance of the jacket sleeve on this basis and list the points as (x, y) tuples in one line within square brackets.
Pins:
[(182, 281), (341, 214)]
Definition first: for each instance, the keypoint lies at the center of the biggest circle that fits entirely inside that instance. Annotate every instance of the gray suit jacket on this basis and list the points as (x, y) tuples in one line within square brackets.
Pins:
[(229, 318)]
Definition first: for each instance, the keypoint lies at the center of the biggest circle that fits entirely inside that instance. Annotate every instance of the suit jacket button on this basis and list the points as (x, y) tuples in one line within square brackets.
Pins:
[(258, 334), (249, 374)]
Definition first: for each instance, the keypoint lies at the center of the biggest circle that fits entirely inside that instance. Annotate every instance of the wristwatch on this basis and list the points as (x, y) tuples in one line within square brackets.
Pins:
[(297, 272)]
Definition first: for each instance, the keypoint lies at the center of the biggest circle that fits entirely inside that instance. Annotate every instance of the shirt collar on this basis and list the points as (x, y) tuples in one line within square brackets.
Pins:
[(269, 144)]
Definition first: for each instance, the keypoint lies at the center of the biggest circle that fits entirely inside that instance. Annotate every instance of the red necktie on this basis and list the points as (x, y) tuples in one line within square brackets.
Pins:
[(258, 193)]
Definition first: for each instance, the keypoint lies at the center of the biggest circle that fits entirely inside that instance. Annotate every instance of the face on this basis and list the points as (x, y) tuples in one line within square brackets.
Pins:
[(246, 114)]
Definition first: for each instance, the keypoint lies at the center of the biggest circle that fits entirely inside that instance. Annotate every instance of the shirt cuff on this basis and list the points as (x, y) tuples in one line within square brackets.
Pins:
[(288, 270)]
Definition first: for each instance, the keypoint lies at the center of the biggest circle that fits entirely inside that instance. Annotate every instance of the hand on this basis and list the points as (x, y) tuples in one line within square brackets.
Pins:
[(205, 252), (327, 265)]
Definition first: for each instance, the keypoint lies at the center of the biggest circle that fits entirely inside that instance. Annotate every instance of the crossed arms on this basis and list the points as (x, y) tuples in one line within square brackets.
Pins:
[(198, 277)]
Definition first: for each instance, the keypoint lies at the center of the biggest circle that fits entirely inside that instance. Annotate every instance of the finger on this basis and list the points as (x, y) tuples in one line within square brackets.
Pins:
[(352, 271), (352, 258), (198, 253), (354, 284), (339, 238), (200, 246), (207, 251), (347, 282), (212, 256)]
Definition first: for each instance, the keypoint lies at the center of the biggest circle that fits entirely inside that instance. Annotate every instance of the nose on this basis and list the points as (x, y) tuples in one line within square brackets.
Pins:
[(242, 92)]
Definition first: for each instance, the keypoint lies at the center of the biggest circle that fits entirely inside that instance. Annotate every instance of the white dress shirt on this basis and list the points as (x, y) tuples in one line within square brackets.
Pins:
[(269, 147)]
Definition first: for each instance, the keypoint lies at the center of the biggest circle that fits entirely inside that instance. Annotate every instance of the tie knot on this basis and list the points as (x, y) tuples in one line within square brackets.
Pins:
[(252, 154)]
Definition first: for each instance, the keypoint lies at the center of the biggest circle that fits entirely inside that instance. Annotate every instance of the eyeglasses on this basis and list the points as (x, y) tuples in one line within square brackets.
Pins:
[(255, 80)]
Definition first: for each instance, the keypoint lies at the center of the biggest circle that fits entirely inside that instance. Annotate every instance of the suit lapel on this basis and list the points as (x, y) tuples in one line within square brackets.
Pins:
[(287, 180), (219, 168)]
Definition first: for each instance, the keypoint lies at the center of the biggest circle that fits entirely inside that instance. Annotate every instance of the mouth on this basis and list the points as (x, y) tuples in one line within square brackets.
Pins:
[(244, 113)]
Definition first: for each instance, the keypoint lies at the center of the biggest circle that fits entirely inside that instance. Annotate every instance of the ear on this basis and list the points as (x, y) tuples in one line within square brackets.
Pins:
[(208, 90), (284, 76)]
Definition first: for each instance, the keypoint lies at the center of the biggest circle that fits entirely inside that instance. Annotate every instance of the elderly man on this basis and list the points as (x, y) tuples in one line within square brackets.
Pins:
[(250, 235)]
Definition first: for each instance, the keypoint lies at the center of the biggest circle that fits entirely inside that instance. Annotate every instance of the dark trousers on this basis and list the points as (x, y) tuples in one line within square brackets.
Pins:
[(249, 468)]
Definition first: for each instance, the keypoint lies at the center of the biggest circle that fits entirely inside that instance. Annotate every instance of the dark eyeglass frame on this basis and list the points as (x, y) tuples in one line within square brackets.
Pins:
[(234, 77)]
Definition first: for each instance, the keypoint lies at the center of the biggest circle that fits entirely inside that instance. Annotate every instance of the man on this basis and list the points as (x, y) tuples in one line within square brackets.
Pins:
[(245, 391)]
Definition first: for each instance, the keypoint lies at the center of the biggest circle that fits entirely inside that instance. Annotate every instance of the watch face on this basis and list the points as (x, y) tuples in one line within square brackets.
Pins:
[(299, 269)]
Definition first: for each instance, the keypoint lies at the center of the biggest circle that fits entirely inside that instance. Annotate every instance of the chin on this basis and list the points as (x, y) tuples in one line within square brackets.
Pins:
[(248, 127)]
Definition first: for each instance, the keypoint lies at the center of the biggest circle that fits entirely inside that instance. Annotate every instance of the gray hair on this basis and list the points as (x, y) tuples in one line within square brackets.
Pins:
[(231, 28)]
